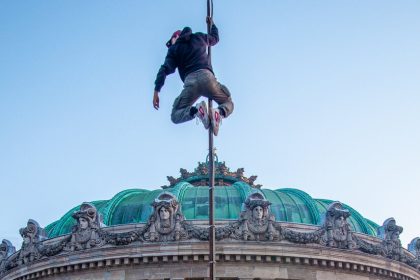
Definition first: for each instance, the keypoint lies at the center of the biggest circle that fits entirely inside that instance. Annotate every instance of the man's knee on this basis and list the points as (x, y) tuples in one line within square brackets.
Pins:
[(232, 106), (174, 119), (225, 90)]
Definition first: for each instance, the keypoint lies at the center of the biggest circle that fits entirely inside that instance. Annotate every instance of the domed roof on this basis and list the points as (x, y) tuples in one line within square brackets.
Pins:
[(232, 189)]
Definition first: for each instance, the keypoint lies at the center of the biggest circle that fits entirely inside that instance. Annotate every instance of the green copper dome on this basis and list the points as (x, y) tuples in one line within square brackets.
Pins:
[(232, 189)]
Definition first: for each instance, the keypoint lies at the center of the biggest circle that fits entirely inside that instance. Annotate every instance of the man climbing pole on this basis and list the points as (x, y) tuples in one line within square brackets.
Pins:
[(187, 51)]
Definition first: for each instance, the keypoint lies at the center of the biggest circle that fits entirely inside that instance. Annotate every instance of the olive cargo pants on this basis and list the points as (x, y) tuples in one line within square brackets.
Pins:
[(200, 83)]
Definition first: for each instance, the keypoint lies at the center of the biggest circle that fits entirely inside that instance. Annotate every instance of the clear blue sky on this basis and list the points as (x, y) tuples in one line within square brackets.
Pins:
[(327, 97)]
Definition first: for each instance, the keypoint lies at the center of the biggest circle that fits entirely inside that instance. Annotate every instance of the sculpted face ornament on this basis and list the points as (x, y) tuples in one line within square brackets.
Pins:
[(257, 213), (165, 222), (414, 247), (164, 214), (84, 224), (85, 232), (32, 236), (337, 229), (6, 250), (257, 222), (391, 244)]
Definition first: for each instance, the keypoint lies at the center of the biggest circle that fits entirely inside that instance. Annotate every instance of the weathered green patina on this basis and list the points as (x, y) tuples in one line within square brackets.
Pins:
[(191, 189)]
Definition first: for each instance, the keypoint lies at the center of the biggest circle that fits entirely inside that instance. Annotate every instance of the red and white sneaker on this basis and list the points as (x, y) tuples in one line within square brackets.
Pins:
[(216, 120), (202, 114)]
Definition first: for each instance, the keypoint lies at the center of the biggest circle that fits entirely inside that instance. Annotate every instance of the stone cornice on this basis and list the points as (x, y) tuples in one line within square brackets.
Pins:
[(282, 253)]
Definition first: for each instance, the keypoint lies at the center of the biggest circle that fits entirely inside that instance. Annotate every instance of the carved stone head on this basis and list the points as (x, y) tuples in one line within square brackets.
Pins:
[(85, 232), (257, 206), (336, 216), (338, 232), (165, 207), (164, 223), (87, 217), (256, 220), (414, 247), (389, 231), (32, 233), (6, 250), (391, 244)]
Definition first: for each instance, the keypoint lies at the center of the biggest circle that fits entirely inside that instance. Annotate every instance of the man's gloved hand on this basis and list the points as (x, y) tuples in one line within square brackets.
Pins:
[(209, 20)]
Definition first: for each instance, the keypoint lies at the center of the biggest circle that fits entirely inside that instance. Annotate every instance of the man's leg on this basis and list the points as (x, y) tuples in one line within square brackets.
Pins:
[(224, 99), (221, 95), (182, 109), (218, 92)]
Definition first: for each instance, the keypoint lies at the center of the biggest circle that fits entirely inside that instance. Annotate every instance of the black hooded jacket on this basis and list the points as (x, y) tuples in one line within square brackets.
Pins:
[(189, 54)]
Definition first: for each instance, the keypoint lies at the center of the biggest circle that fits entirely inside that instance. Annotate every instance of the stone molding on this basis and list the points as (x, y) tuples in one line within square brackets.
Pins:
[(228, 252)]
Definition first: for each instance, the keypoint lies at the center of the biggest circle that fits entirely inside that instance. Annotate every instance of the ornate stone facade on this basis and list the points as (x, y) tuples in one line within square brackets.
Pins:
[(167, 225)]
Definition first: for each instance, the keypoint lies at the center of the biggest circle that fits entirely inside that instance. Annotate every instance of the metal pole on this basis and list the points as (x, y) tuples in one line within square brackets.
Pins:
[(212, 250)]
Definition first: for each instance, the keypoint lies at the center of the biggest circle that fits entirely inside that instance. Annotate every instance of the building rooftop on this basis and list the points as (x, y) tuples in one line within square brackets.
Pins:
[(232, 189)]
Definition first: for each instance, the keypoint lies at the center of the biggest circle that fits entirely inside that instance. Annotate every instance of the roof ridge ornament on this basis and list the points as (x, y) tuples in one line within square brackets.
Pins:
[(223, 176)]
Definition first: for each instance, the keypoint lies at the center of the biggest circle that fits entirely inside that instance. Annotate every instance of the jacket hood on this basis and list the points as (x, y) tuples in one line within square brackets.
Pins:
[(185, 34)]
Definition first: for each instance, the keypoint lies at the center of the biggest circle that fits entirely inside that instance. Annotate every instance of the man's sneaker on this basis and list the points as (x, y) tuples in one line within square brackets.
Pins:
[(216, 120), (202, 114)]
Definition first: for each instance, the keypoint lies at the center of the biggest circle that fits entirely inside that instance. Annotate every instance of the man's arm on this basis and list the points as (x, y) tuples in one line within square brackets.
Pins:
[(213, 37), (167, 68)]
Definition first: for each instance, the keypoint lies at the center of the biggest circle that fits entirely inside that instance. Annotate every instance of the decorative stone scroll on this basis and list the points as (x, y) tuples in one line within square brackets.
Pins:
[(337, 229), (6, 250), (165, 222), (85, 233), (32, 236)]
